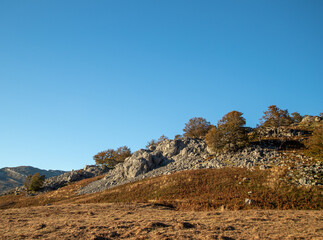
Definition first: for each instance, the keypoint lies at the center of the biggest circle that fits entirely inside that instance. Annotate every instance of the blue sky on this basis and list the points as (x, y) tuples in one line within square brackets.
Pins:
[(79, 77)]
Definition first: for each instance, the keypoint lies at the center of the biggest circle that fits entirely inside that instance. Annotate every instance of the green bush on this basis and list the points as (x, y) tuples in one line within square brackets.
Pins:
[(34, 182), (229, 135)]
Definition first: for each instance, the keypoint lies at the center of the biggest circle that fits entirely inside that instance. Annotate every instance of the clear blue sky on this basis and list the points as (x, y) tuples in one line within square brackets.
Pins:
[(78, 77)]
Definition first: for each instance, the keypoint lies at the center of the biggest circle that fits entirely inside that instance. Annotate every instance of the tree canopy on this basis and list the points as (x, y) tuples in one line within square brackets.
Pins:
[(197, 127), (112, 157), (275, 117), (229, 134)]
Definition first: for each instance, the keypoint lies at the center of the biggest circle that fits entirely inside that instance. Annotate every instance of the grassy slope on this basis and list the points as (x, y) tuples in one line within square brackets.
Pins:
[(205, 189)]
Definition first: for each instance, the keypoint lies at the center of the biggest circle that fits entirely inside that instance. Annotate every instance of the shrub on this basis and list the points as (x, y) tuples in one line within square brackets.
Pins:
[(229, 135), (112, 157), (296, 117), (162, 138), (197, 128), (34, 182), (314, 143), (275, 117), (178, 136), (151, 143)]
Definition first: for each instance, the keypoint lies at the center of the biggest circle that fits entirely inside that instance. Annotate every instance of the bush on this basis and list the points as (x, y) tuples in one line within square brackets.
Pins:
[(162, 138), (229, 135), (151, 143), (275, 117), (178, 136), (197, 128), (296, 117), (112, 157), (314, 143), (34, 182)]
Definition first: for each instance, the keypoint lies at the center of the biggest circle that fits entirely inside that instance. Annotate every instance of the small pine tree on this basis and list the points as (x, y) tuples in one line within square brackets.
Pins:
[(34, 182)]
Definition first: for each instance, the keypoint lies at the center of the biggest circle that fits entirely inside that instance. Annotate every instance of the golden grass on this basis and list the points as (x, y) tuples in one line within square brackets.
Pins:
[(205, 189)]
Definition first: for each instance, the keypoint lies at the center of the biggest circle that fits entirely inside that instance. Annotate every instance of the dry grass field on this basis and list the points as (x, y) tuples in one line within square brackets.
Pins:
[(199, 204), (155, 221)]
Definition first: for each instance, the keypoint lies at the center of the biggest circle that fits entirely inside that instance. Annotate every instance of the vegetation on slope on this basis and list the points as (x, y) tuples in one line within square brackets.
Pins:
[(207, 189)]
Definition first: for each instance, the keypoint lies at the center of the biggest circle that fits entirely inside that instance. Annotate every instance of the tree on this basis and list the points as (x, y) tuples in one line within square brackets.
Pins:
[(34, 182), (112, 157), (275, 117), (229, 135), (197, 127), (296, 117)]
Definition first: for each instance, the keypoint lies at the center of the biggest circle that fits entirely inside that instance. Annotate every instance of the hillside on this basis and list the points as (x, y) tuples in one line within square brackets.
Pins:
[(204, 189), (11, 177), (273, 171)]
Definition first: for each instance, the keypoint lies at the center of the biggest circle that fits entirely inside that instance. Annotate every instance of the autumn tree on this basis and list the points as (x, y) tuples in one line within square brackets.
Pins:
[(296, 117), (229, 134), (34, 182), (112, 157), (196, 127), (275, 117)]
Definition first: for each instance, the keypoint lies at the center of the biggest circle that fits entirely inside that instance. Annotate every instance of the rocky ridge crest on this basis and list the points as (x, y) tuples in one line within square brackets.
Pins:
[(171, 156)]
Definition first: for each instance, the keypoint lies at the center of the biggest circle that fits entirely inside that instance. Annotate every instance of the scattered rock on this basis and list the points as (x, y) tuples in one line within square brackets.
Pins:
[(249, 201), (187, 225)]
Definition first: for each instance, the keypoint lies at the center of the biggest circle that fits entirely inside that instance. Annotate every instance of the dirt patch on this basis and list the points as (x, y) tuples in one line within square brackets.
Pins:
[(145, 221)]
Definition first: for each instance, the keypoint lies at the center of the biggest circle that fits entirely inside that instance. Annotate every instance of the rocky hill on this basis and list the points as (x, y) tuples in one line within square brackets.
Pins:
[(170, 156), (11, 177)]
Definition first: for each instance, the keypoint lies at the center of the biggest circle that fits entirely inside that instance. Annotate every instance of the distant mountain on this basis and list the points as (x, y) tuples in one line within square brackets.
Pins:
[(11, 177)]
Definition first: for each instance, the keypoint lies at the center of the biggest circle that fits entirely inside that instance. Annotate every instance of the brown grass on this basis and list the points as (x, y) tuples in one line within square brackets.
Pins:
[(207, 189), (150, 221)]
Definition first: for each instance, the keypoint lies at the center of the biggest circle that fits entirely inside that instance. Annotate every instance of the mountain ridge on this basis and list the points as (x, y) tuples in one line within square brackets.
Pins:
[(11, 177)]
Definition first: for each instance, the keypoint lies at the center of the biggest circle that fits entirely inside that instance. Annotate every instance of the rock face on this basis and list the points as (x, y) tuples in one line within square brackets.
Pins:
[(171, 156), (309, 120), (281, 132), (168, 156), (11, 177), (88, 171)]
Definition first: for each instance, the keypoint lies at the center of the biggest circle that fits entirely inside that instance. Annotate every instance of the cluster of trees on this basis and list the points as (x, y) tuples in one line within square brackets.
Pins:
[(229, 134)]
